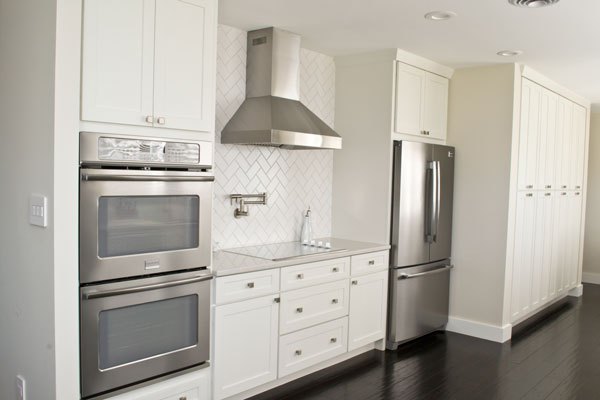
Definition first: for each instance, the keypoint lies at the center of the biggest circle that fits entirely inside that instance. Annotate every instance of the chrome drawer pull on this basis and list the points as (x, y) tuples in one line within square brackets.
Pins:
[(250, 285), (335, 269), (529, 187), (299, 309), (355, 282), (300, 276), (333, 340), (529, 195), (371, 262), (298, 352), (547, 194), (548, 186), (335, 301)]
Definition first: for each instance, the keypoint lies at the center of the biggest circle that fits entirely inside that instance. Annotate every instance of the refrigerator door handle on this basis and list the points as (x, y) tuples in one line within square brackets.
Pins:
[(434, 271), (433, 203), (436, 199)]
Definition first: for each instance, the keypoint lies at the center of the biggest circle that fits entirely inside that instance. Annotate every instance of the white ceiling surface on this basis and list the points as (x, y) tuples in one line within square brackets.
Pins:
[(561, 41)]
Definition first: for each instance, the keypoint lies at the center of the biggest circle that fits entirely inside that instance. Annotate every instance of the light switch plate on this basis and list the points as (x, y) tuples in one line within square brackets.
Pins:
[(38, 210), (21, 395)]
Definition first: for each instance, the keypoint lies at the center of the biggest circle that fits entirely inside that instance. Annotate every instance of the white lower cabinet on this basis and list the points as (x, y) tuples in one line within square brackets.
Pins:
[(245, 339), (192, 386), (313, 345), (368, 307)]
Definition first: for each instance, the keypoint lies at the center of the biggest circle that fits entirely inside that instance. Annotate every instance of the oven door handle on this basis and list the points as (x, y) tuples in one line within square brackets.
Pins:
[(145, 178), (118, 292)]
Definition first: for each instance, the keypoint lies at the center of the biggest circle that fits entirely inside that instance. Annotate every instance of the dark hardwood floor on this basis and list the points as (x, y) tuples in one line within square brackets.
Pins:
[(555, 357)]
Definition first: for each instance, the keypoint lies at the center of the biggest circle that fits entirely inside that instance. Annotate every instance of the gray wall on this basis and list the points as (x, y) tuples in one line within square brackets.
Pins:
[(27, 44), (591, 247)]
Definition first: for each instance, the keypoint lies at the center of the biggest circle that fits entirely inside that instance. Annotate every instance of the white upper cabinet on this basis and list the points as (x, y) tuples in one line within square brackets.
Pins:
[(118, 56), (578, 138), (149, 63), (531, 100), (421, 106)]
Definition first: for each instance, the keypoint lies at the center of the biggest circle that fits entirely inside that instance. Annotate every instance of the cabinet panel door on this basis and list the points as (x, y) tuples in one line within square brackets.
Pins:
[(547, 139), (435, 109), (573, 240), (567, 145), (184, 64), (368, 305), (245, 344), (529, 135), (117, 61), (578, 133), (522, 274), (560, 244), (410, 88)]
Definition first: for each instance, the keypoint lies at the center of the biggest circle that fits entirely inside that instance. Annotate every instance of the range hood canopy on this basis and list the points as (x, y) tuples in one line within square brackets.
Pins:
[(272, 114)]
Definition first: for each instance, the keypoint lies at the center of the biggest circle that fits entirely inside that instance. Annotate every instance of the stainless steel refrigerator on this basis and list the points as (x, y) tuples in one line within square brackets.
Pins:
[(421, 240)]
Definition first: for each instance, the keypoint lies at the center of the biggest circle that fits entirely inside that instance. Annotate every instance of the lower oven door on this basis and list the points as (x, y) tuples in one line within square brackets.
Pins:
[(139, 329)]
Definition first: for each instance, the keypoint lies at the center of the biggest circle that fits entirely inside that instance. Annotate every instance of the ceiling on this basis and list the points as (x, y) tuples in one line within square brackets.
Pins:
[(561, 41)]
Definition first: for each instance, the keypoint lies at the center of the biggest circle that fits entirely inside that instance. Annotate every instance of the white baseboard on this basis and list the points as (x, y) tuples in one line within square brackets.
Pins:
[(590, 277), (577, 291), (480, 329)]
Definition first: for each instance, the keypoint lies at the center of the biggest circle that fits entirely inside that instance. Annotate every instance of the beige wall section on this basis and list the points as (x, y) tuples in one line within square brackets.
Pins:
[(362, 169), (480, 125), (27, 43), (591, 248)]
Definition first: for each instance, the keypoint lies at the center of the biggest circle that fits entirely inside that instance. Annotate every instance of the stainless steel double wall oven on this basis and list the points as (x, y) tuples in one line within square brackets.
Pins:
[(145, 245)]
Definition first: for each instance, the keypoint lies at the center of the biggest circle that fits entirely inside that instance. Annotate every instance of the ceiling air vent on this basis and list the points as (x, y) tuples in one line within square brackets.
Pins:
[(532, 3)]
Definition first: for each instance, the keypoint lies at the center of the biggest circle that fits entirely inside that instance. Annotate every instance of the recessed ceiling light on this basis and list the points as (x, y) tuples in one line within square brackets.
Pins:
[(440, 15), (509, 53), (532, 3)]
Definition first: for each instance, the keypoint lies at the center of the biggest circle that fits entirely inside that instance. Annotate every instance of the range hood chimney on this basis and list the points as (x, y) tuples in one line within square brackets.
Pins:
[(272, 114)]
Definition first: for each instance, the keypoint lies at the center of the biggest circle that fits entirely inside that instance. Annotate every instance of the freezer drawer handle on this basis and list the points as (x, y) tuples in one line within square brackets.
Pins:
[(435, 271), (137, 289)]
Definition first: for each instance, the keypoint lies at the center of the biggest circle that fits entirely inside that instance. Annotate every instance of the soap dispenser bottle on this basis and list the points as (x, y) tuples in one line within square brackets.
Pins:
[(306, 235)]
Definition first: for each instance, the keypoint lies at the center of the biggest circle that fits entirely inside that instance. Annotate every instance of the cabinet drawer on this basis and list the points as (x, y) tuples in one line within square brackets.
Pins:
[(314, 305), (311, 346), (246, 286), (370, 262), (299, 276)]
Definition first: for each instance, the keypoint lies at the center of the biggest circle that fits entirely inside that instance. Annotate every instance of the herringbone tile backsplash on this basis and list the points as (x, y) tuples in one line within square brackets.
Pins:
[(293, 180)]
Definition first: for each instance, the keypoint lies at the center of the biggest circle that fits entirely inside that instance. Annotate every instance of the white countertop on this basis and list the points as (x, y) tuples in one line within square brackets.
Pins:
[(225, 263)]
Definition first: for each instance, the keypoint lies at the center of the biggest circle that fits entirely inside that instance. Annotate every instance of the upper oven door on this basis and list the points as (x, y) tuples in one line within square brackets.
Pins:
[(135, 223)]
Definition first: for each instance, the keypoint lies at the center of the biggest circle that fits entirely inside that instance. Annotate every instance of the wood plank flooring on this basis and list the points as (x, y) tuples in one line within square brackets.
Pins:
[(555, 357)]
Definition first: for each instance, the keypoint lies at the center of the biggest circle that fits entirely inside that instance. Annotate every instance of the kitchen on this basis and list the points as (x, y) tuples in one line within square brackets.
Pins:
[(349, 191)]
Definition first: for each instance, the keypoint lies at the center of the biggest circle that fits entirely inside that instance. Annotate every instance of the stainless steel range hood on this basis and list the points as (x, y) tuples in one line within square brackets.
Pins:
[(272, 114)]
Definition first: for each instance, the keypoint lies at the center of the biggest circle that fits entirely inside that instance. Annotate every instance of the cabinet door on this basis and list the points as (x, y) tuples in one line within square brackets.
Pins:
[(578, 134), (547, 139), (117, 61), (542, 252), (529, 135), (368, 305), (560, 243), (566, 149), (435, 109), (522, 274), (185, 64), (245, 344), (410, 89), (573, 239)]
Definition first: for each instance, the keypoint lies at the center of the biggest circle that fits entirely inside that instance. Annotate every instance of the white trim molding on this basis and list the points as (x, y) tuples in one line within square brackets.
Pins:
[(577, 291), (480, 330), (590, 277)]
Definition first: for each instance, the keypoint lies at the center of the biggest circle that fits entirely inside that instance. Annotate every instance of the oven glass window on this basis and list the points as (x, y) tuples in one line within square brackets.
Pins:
[(137, 332), (147, 224)]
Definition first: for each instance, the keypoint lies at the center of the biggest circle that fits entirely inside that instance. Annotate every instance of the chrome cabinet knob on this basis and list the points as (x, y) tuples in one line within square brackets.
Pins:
[(183, 398), (335, 269), (355, 282), (529, 194), (300, 276), (276, 299), (548, 186), (250, 285), (298, 352), (529, 187), (299, 309), (333, 340), (371, 262), (161, 120), (547, 194), (150, 119), (335, 301)]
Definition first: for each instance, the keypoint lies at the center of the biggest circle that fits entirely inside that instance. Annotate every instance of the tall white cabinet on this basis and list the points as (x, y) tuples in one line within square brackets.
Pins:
[(519, 214), (149, 64)]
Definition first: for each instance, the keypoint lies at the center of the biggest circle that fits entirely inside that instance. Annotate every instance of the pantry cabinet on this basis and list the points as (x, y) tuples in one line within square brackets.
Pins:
[(149, 63), (421, 106)]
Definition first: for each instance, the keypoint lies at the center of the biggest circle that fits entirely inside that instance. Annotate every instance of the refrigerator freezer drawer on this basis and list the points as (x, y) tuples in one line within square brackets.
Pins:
[(418, 301)]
